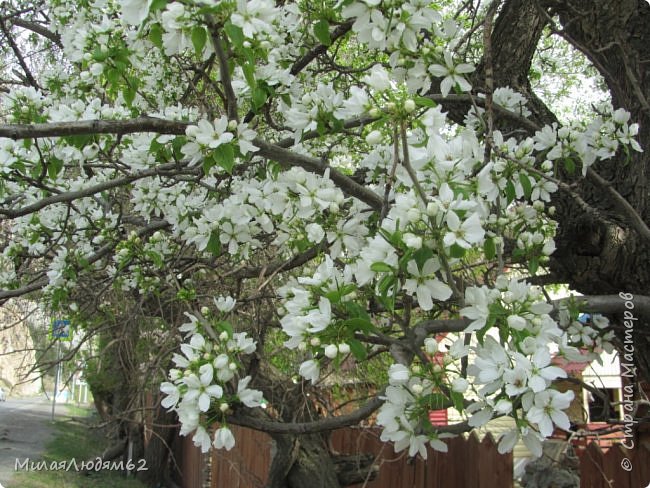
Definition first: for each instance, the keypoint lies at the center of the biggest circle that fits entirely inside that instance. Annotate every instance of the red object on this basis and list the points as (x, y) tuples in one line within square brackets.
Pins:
[(438, 417), (571, 367)]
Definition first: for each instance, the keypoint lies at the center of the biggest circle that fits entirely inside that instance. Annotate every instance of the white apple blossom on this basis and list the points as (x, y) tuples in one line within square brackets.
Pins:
[(548, 410), (425, 285), (223, 439), (452, 74)]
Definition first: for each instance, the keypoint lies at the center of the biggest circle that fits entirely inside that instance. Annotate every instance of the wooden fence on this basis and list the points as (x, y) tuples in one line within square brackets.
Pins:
[(469, 462), (616, 468)]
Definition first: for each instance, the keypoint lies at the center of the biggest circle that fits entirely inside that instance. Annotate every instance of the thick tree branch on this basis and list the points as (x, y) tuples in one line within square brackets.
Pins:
[(152, 124), (322, 425), (625, 209), (38, 29), (83, 127), (612, 304), (224, 70), (345, 183)]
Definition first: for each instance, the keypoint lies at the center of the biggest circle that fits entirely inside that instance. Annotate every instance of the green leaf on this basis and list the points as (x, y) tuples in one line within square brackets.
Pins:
[(199, 38), (424, 102), (223, 156), (510, 191), (355, 310), (489, 248), (78, 141), (570, 165), (533, 265), (155, 258), (99, 54), (113, 75), (158, 5), (54, 167), (249, 74), (155, 35), (381, 268), (456, 251), (385, 284), (322, 32), (225, 326), (480, 335), (177, 145), (128, 92), (457, 399), (526, 185), (358, 349), (214, 244), (236, 34), (259, 97), (422, 255), (364, 325)]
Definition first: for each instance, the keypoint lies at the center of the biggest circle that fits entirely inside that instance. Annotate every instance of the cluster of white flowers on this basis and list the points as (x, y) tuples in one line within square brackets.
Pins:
[(598, 139), (201, 387), (406, 397)]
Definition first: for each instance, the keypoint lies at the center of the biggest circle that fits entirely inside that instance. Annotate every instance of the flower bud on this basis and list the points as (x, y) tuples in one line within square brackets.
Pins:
[(432, 209), (430, 345), (409, 106), (331, 351), (373, 138)]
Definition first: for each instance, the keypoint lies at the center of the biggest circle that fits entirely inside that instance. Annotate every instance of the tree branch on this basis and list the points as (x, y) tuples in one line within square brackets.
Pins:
[(42, 281), (82, 127), (345, 183), (68, 197), (18, 54), (611, 304), (224, 71), (38, 29), (624, 207), (301, 63), (322, 425), (162, 126)]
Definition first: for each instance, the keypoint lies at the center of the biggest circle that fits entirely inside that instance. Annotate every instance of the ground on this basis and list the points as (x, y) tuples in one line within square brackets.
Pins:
[(25, 428)]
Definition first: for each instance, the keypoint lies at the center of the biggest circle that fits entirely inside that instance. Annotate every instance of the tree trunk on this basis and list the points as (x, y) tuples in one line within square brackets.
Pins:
[(598, 252), (156, 457), (300, 461), (601, 253)]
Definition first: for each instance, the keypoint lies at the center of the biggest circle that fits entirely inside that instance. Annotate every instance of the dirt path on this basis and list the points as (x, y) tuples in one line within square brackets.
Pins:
[(25, 428)]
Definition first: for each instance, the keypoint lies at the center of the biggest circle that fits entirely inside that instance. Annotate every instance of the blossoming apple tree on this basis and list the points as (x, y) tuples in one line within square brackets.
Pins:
[(319, 176)]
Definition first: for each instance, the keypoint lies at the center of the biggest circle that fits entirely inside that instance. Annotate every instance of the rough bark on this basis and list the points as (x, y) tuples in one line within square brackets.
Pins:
[(157, 451), (605, 255)]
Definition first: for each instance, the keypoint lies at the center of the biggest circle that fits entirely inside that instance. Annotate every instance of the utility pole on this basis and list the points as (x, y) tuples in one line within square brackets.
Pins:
[(58, 374)]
